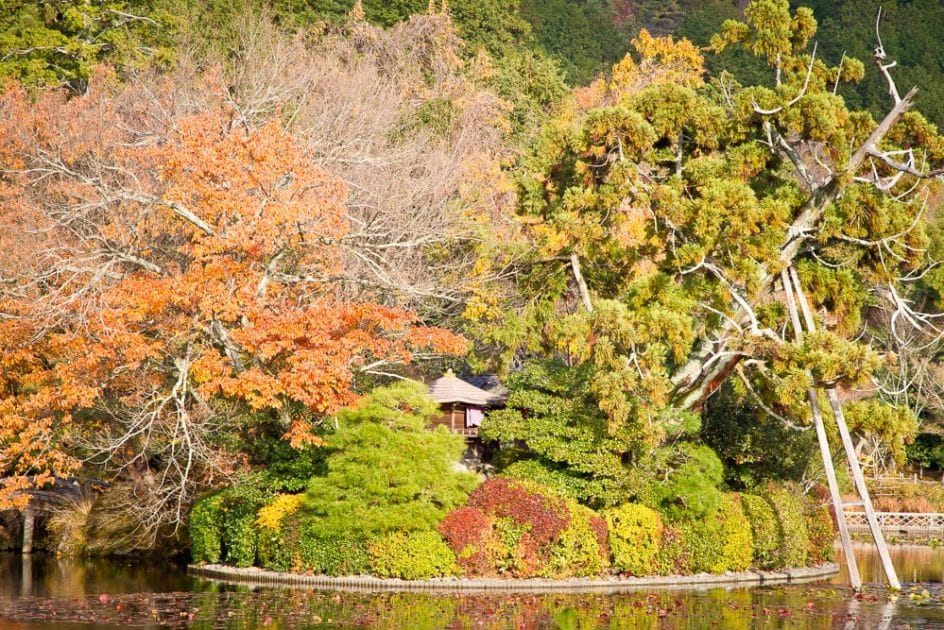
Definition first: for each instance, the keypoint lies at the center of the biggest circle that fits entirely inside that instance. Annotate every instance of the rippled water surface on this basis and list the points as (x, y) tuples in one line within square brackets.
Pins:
[(45, 592)]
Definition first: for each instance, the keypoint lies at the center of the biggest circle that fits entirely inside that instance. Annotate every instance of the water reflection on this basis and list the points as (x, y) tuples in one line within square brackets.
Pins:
[(45, 592), (914, 563)]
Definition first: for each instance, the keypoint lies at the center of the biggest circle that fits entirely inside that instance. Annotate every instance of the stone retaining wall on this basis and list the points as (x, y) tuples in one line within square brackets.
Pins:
[(261, 577)]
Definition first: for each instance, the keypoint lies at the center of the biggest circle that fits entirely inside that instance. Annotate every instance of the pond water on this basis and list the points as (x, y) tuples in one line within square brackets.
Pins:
[(46, 592)]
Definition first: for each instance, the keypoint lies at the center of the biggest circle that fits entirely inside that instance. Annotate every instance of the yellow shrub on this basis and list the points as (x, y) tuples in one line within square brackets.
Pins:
[(270, 516)]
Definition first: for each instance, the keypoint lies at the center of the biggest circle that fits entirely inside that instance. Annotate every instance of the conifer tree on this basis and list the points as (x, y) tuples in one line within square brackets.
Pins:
[(663, 208)]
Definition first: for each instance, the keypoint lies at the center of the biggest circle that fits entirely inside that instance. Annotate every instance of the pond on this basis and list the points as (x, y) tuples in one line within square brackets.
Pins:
[(46, 592)]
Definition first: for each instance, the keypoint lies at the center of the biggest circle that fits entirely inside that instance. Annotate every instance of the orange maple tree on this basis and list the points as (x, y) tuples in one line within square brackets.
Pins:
[(167, 268)]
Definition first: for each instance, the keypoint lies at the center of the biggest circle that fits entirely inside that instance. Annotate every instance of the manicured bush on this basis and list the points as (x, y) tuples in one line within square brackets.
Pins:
[(206, 530), (387, 472), (821, 532), (674, 557), (239, 505), (240, 539), (703, 541), (527, 504), (468, 532), (579, 551), (764, 532), (721, 542), (412, 556), (275, 525), (787, 504), (691, 490), (330, 556), (517, 528), (271, 514), (635, 535), (737, 540)]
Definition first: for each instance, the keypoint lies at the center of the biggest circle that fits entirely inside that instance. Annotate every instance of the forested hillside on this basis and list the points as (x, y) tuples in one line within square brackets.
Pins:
[(682, 233)]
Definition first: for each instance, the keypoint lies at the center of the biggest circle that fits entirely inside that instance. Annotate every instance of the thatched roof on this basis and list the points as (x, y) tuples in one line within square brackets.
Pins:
[(450, 389)]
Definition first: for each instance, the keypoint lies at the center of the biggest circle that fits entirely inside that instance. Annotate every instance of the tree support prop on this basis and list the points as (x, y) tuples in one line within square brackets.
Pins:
[(854, 578), (857, 476)]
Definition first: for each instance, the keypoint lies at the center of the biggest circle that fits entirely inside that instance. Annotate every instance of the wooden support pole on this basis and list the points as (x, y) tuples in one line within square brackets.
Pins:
[(851, 455), (28, 526), (845, 539)]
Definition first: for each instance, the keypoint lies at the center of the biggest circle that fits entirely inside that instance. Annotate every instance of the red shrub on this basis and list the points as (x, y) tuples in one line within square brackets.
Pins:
[(501, 497), (468, 531), (602, 534)]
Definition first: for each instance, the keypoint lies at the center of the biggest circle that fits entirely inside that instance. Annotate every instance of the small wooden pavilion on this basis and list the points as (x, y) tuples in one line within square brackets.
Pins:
[(463, 405)]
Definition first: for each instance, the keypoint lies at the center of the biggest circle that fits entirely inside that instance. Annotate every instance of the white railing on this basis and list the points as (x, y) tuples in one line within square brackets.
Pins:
[(899, 522)]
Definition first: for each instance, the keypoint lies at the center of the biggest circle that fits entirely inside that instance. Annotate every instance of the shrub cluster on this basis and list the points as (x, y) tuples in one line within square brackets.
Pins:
[(516, 528), (519, 529)]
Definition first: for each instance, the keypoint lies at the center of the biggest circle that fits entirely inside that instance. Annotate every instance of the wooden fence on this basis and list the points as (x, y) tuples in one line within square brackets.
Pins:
[(931, 523)]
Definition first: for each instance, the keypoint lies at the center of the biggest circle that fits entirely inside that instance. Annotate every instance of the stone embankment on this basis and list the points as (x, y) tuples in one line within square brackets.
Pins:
[(260, 577)]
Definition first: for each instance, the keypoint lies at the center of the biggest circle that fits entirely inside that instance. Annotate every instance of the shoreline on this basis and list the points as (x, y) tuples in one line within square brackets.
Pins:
[(257, 577)]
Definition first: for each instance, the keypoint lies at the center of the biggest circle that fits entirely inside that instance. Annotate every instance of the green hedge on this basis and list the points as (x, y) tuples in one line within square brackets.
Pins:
[(336, 556), (765, 532), (206, 530), (635, 537), (721, 542), (412, 556), (675, 556), (223, 525), (787, 504), (520, 530)]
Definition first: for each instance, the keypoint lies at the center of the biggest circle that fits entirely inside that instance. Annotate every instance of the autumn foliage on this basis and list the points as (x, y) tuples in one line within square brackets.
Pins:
[(170, 266), (521, 529)]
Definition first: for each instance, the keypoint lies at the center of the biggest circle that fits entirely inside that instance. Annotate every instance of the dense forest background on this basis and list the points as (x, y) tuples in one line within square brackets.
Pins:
[(577, 40)]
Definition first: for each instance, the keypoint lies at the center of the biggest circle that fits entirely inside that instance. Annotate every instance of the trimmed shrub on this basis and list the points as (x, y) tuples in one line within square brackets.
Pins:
[(794, 539), (206, 530), (674, 557), (274, 551), (635, 535), (764, 532), (468, 533), (737, 541), (527, 504), (239, 506), (579, 550), (691, 491), (602, 533), (703, 542), (240, 539), (722, 542), (518, 528), (821, 532), (271, 514), (387, 472), (412, 556), (330, 556)]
